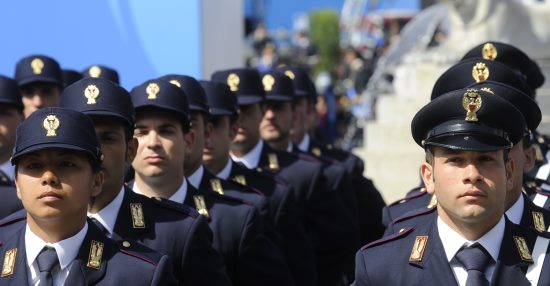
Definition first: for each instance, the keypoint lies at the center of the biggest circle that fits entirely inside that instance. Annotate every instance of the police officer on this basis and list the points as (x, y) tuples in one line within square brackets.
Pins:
[(40, 80), (11, 114), (58, 161), (284, 213), (368, 199), (162, 130), (101, 71), (173, 229), (322, 211), (466, 135)]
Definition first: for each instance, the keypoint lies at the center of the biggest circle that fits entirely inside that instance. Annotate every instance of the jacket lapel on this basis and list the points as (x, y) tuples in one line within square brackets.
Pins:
[(14, 248), (90, 264), (128, 222)]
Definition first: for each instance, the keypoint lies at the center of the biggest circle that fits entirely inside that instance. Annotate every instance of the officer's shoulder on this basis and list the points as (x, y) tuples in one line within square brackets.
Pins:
[(172, 206), (390, 238), (415, 214), (139, 251), (13, 218), (229, 200), (411, 195)]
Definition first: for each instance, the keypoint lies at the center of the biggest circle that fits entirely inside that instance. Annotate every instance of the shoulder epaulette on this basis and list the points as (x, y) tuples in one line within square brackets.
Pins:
[(409, 197), (137, 250), (276, 179), (11, 220), (229, 199), (180, 208), (541, 192), (389, 238), (307, 158), (415, 213)]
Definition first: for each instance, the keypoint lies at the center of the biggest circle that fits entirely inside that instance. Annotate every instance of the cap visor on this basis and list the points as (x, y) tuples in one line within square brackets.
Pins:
[(249, 99), (470, 143), (48, 145), (33, 79)]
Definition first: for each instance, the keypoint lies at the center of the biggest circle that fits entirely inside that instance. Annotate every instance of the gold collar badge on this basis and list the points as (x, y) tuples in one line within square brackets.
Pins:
[(96, 253), (268, 81), (233, 81), (91, 93), (240, 179), (9, 262), (418, 248), (152, 90), (489, 51), (273, 161), (37, 65), (137, 215), (471, 101), (200, 205), (95, 71), (523, 250), (216, 185), (480, 72), (51, 124)]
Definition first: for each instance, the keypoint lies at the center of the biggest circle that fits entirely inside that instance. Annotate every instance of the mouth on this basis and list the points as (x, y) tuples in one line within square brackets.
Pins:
[(153, 159), (49, 196), (474, 193)]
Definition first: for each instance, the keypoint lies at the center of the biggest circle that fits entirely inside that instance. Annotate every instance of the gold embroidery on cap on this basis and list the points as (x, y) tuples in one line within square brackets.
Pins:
[(538, 220), (471, 101), (290, 74), (216, 185), (176, 83), (152, 90), (480, 72), (418, 248), (200, 205), (489, 51), (523, 250), (91, 93), (487, 89), (9, 262), (51, 124), (268, 81), (94, 71), (233, 81), (37, 65), (137, 215), (96, 252)]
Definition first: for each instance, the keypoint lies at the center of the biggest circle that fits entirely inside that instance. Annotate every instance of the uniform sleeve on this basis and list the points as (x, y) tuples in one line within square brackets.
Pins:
[(163, 273), (202, 264), (361, 277)]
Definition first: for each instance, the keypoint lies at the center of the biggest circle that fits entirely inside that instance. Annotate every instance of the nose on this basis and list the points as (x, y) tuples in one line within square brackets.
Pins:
[(472, 174), (49, 178), (153, 140), (269, 114), (37, 100)]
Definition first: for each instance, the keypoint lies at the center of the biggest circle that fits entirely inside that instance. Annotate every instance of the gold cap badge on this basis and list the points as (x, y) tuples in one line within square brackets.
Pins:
[(290, 74), (200, 205), (273, 161), (91, 93), (471, 101), (523, 250), (216, 185), (152, 90), (9, 262), (538, 221), (240, 179), (233, 81), (37, 65), (419, 246), (137, 215), (268, 81), (489, 51), (51, 124), (176, 83), (480, 72), (96, 253), (94, 71)]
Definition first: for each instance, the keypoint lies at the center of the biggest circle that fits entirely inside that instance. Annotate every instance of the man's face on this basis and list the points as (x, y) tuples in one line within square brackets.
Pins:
[(470, 186), (524, 161), (10, 117), (277, 121), (115, 149), (218, 143), (39, 95), (56, 184), (249, 122), (201, 131), (160, 143)]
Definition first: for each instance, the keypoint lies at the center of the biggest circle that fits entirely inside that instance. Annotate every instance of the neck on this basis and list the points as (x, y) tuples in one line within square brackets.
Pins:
[(280, 144), (107, 195), (216, 165), (512, 197), (52, 231), (191, 167), (163, 187), (469, 230), (241, 149), (298, 137)]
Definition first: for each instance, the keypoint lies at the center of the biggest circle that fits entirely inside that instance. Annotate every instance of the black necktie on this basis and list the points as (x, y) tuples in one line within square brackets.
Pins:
[(46, 261), (476, 260), (100, 226)]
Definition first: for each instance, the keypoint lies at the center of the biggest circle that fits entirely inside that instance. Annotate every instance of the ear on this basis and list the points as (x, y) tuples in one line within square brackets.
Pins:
[(17, 188), (189, 139), (97, 183), (530, 157), (426, 171), (509, 166), (131, 150)]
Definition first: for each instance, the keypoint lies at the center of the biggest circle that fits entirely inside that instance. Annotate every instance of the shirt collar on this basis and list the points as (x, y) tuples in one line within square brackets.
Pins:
[(196, 177), (66, 249), (181, 193), (304, 144), (107, 215), (226, 171), (491, 241), (8, 169), (252, 158), (515, 212), (289, 147)]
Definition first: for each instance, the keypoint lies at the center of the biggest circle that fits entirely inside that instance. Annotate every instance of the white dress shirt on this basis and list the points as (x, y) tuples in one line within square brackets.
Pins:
[(304, 144), (226, 171), (452, 242), (515, 212), (196, 177), (252, 158), (67, 250), (107, 216), (178, 196)]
